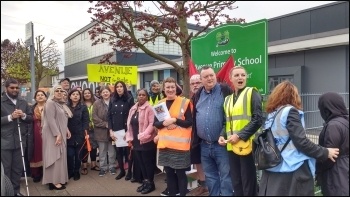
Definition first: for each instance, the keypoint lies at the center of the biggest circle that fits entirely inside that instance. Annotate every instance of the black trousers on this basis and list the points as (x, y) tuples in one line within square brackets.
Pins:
[(145, 160), (176, 181), (122, 155), (243, 174), (13, 166)]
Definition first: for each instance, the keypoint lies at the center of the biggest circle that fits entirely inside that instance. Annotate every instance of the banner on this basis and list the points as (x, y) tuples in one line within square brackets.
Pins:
[(192, 68), (112, 73), (224, 73)]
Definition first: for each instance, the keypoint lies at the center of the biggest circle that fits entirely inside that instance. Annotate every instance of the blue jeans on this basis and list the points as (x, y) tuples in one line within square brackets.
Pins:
[(216, 168)]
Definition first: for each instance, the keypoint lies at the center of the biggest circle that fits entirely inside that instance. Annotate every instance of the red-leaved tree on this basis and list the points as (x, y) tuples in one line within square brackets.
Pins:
[(119, 23)]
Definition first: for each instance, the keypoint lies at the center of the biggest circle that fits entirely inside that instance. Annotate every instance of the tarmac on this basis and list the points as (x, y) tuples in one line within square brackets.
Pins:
[(94, 185)]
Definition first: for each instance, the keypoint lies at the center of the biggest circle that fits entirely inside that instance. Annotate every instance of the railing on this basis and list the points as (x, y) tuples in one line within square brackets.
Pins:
[(313, 119)]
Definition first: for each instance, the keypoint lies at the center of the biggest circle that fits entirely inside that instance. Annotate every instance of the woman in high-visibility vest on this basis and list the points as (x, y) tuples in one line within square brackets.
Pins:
[(88, 100), (155, 94), (174, 139), (243, 111)]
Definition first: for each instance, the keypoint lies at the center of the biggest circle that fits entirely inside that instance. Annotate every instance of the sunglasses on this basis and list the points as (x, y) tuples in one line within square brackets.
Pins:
[(59, 91), (14, 88)]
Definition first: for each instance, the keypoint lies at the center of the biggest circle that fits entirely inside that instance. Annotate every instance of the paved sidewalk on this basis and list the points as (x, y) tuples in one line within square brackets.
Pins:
[(93, 185)]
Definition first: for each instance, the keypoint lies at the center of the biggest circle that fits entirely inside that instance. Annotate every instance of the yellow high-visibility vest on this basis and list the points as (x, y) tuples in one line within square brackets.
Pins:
[(238, 116)]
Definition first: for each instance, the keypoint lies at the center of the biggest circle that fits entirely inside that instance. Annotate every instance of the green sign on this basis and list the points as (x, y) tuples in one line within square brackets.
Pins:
[(246, 42)]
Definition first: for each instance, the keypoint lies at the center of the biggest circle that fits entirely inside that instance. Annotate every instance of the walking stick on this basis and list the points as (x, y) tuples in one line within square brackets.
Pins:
[(24, 165)]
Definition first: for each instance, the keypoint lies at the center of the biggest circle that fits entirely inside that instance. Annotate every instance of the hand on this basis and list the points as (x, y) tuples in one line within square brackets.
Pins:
[(222, 141), (130, 143), (87, 136), (233, 139), (155, 140), (333, 153), (171, 127), (19, 112), (169, 121), (58, 140), (69, 135), (15, 115), (111, 134)]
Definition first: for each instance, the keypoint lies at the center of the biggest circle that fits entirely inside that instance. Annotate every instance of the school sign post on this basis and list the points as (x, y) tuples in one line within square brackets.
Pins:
[(246, 42)]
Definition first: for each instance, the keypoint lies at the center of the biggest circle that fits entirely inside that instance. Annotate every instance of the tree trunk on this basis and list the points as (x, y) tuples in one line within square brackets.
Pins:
[(184, 75)]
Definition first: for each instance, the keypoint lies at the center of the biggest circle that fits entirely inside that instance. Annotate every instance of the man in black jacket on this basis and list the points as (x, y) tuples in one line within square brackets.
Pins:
[(15, 115)]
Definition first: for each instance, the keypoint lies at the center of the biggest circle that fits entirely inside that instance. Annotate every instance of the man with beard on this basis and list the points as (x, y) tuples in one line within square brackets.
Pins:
[(14, 111)]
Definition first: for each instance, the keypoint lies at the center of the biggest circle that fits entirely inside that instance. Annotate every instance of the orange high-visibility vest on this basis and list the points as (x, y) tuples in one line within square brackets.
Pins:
[(178, 138)]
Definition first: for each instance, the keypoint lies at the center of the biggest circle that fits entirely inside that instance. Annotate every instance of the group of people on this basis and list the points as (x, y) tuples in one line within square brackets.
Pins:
[(213, 130)]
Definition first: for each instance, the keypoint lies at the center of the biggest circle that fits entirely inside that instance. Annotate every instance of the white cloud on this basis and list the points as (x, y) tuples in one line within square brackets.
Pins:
[(59, 19)]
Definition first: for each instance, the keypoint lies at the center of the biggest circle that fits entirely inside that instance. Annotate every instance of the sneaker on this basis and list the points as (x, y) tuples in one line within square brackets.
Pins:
[(113, 171), (102, 173), (166, 193)]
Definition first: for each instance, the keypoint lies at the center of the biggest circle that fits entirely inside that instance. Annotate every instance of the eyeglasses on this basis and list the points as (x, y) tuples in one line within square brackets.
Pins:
[(14, 88), (59, 91), (196, 83)]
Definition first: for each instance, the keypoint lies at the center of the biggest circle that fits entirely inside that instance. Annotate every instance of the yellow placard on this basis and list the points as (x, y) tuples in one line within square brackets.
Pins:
[(112, 73)]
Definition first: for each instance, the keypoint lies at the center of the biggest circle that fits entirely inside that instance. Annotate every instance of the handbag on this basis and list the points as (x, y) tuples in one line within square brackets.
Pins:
[(242, 147), (267, 154)]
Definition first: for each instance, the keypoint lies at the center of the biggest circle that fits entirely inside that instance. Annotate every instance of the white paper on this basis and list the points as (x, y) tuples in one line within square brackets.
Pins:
[(120, 142), (161, 111)]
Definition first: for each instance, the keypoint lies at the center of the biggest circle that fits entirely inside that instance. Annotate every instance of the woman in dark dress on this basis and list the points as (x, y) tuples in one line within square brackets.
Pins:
[(36, 163)]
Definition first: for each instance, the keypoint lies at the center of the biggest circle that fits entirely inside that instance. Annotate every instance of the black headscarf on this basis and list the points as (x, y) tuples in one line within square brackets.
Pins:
[(332, 105)]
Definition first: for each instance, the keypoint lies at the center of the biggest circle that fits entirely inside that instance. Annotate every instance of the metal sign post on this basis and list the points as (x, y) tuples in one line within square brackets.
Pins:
[(29, 40)]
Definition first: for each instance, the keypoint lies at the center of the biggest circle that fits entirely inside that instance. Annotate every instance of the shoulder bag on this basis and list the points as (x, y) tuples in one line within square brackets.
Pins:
[(267, 155)]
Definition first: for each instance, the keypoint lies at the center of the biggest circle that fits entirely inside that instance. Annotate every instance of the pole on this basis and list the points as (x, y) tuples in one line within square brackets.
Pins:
[(24, 164), (32, 66)]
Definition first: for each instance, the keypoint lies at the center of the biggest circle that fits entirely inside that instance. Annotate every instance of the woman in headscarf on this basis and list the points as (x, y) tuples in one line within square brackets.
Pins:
[(333, 177), (54, 135)]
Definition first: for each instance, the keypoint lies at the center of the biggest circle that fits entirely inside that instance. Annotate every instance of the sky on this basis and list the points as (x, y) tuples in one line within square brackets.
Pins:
[(57, 20)]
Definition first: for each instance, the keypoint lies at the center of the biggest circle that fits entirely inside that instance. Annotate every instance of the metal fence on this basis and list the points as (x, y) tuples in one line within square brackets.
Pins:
[(313, 119)]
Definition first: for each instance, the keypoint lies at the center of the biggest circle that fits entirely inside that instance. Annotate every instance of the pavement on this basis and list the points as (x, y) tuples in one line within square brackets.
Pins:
[(93, 185)]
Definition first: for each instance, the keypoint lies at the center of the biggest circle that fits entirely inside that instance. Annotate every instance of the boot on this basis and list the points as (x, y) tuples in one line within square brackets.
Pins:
[(149, 187), (140, 188)]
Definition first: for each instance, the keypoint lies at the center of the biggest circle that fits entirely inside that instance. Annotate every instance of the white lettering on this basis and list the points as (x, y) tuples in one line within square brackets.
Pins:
[(249, 61)]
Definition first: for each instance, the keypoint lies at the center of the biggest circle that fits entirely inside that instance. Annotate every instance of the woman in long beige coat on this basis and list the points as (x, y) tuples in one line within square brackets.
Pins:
[(55, 133)]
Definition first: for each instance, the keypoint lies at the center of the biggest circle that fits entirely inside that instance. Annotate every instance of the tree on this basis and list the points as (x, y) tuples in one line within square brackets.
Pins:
[(118, 21), (15, 60), (47, 58)]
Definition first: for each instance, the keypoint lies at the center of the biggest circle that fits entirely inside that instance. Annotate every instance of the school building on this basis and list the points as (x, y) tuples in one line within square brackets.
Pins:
[(309, 47)]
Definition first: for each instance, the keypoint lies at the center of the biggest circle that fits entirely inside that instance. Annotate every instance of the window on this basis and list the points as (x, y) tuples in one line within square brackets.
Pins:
[(275, 80)]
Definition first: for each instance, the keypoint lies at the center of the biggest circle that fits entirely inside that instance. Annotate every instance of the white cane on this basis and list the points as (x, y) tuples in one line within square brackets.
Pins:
[(24, 165)]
